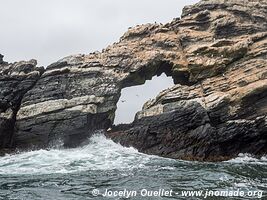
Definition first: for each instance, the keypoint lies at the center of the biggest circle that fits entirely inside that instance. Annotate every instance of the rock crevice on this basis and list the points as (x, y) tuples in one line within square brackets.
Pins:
[(15, 80)]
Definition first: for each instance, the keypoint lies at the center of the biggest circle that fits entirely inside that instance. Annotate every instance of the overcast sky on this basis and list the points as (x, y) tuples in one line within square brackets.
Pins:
[(48, 30)]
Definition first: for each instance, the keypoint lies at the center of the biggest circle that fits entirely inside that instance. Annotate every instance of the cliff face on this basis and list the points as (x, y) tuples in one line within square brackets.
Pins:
[(15, 80), (216, 54)]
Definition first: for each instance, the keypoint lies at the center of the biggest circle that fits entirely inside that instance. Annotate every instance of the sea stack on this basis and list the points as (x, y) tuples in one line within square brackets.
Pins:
[(216, 54)]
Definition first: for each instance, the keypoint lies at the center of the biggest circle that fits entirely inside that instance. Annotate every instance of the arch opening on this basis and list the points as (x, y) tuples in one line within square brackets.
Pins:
[(133, 98), (144, 84)]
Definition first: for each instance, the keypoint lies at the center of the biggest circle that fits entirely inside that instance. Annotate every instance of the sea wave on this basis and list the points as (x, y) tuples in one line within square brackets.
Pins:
[(249, 159), (99, 154)]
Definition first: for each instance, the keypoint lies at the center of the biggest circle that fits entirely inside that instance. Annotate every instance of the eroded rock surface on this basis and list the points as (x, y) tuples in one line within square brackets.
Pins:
[(216, 54), (15, 80)]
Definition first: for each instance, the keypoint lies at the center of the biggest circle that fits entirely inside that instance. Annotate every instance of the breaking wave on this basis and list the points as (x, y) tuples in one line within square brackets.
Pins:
[(99, 154), (72, 173)]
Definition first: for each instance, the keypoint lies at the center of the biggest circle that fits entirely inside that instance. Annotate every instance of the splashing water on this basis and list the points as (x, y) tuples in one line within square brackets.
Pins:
[(102, 164), (99, 154)]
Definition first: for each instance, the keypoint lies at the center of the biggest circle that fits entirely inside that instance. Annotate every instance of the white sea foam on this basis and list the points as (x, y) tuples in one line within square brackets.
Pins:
[(248, 158), (99, 154)]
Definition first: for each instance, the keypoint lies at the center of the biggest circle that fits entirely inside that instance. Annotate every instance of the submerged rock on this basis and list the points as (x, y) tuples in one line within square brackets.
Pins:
[(216, 54)]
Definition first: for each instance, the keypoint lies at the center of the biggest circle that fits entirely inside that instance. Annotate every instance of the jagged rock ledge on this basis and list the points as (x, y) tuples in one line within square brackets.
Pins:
[(216, 54)]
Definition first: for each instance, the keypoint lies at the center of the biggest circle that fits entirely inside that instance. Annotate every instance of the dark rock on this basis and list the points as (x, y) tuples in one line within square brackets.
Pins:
[(15, 80), (1, 58), (188, 133)]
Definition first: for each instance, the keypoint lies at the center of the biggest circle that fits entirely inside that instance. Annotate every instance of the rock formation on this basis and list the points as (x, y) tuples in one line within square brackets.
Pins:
[(216, 54), (15, 80)]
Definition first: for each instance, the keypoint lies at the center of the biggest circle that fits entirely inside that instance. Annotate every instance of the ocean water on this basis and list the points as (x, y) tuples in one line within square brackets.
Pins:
[(99, 165)]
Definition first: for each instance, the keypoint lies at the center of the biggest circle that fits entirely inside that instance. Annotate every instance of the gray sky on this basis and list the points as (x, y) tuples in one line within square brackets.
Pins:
[(133, 98), (48, 30)]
